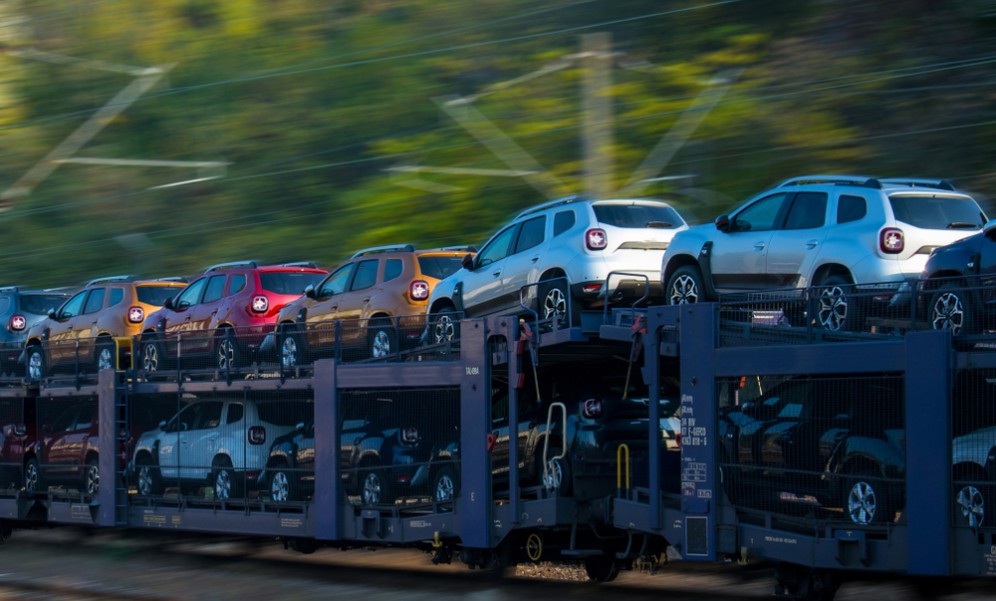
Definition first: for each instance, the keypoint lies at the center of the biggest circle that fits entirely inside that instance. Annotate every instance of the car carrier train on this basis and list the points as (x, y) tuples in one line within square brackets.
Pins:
[(710, 432)]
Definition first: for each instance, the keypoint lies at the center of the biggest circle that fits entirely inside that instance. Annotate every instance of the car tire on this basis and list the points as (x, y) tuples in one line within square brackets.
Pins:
[(34, 362), (555, 303), (444, 326), (558, 477), (32, 479), (836, 306), (147, 479), (291, 348), (973, 501), (866, 499), (283, 484), (382, 340), (952, 308), (374, 487), (153, 359), (91, 477), (685, 286), (224, 480), (445, 484), (226, 352), (103, 356)]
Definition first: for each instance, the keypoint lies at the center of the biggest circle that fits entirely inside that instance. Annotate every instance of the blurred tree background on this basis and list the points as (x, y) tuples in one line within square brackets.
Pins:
[(332, 117)]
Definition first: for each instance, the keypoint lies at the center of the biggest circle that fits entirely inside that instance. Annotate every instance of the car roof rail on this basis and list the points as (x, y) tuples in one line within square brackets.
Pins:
[(840, 180), (914, 182), (466, 248), (110, 278), (170, 278), (232, 265), (552, 203), (309, 264), (384, 249), (9, 288)]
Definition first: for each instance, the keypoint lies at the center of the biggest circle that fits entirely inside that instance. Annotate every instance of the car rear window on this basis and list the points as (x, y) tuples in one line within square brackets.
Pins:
[(288, 282), (937, 212), (638, 216), (439, 267), (156, 295), (40, 304)]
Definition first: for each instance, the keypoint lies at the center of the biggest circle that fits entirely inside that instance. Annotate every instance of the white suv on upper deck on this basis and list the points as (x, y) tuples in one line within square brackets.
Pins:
[(560, 253), (840, 233)]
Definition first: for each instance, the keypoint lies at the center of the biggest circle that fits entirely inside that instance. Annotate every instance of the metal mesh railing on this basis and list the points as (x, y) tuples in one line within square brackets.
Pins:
[(400, 446), (973, 448), (831, 447)]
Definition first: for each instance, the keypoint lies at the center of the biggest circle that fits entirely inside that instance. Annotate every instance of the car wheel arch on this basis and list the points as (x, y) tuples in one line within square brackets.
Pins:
[(827, 270), (675, 263)]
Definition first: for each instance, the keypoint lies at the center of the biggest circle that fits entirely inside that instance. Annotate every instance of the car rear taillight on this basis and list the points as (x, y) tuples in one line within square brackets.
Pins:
[(677, 438), (591, 288), (257, 435), (136, 314), (591, 408), (409, 435), (260, 304), (18, 323), (595, 239), (890, 240), (418, 290)]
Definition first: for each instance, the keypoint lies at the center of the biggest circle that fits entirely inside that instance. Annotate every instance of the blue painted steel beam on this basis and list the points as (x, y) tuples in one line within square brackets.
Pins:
[(109, 447), (812, 359), (474, 503), (328, 497), (928, 450)]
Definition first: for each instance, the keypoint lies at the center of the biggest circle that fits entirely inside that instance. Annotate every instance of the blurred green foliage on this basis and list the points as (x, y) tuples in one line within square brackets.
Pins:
[(312, 106)]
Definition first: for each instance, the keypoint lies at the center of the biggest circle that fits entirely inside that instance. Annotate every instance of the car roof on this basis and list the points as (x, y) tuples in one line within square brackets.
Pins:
[(888, 185), (584, 200)]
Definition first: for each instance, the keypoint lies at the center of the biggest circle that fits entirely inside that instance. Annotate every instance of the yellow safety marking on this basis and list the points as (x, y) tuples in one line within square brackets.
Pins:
[(622, 452)]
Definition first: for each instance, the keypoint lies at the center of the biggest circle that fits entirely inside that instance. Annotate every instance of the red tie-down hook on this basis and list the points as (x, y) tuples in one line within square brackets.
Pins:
[(492, 439)]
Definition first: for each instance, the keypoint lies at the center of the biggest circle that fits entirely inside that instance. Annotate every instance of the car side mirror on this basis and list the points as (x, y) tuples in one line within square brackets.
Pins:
[(310, 291), (989, 229), (299, 427), (168, 303), (20, 430), (162, 425), (723, 223), (52, 314), (467, 261)]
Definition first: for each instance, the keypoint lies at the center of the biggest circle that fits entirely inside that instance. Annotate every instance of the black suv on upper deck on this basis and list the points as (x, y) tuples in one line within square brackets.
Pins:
[(960, 283), (19, 310)]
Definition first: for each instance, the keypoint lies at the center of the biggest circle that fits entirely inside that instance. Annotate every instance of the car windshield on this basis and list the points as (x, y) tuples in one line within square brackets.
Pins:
[(439, 267), (288, 282), (39, 304), (938, 212), (638, 215), (156, 294)]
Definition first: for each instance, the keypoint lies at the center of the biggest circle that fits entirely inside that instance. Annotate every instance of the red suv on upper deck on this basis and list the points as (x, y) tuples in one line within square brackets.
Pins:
[(224, 314)]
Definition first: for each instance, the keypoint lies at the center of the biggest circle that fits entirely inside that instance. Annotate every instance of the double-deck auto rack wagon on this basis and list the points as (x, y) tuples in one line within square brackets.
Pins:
[(700, 498)]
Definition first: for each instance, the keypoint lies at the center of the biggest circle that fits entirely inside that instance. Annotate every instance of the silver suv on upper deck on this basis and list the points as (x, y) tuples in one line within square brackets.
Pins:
[(844, 234), (560, 254)]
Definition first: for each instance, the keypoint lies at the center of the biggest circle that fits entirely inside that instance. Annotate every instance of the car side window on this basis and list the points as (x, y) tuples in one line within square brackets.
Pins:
[(497, 249), (235, 413), (393, 269), (237, 284), (531, 233), (336, 283), (191, 295), (117, 295), (95, 302), (851, 208), (808, 211), (215, 288), (366, 274), (563, 221), (73, 306), (760, 216)]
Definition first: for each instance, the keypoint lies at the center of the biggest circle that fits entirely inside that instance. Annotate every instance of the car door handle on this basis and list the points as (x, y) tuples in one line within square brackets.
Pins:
[(496, 274), (534, 259), (812, 244), (759, 246)]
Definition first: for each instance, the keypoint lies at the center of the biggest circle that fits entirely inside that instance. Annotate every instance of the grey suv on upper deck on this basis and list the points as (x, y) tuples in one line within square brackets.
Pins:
[(19, 310), (844, 234), (561, 253)]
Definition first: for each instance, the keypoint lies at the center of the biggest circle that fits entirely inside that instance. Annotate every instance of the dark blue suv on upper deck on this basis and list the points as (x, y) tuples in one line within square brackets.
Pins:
[(19, 310)]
